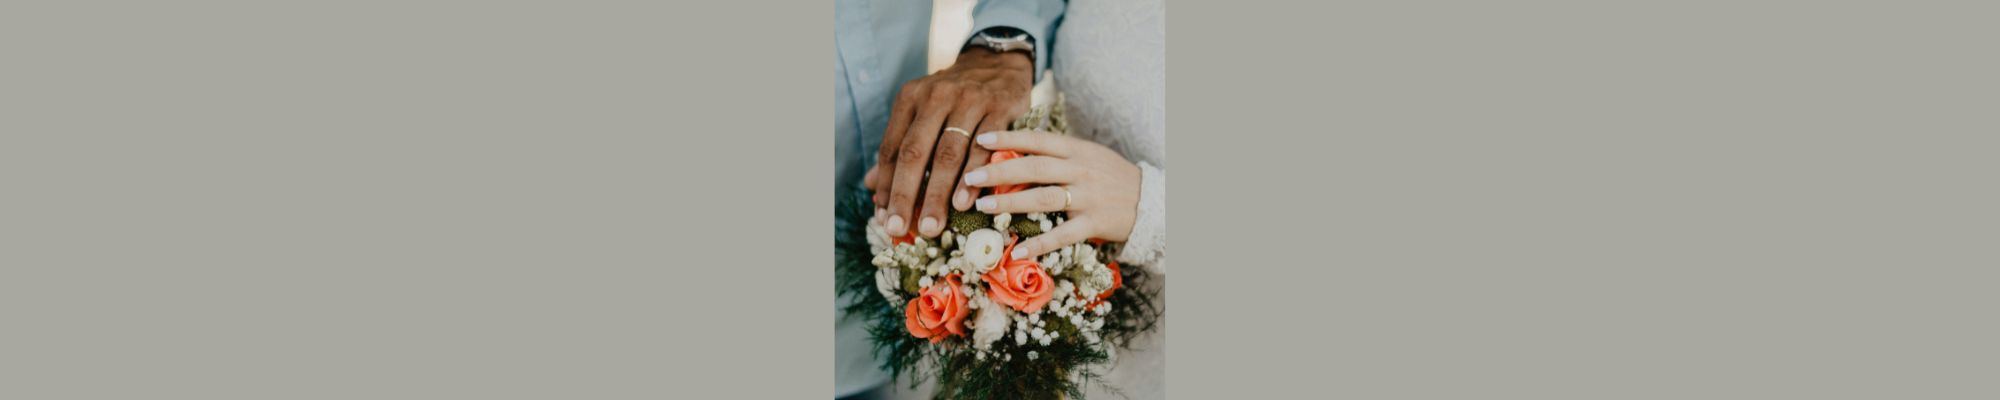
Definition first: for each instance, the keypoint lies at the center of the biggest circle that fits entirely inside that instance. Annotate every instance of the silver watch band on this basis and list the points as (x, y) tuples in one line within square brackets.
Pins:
[(1016, 42)]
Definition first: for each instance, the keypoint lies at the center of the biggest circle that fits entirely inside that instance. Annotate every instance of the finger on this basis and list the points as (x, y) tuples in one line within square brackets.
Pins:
[(901, 113), (1068, 233), (907, 184), (976, 158), (947, 163), (1030, 169), (1041, 199), (873, 179), (1032, 142)]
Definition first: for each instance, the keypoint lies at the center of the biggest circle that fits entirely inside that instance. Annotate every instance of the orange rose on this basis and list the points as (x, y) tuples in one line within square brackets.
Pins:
[(1005, 155), (938, 312), (1020, 284)]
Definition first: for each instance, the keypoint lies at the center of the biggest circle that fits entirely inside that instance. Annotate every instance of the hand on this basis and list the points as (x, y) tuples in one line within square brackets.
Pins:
[(1103, 198), (983, 91)]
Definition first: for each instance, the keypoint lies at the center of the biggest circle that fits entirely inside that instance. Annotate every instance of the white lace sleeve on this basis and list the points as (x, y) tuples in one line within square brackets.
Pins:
[(1148, 244)]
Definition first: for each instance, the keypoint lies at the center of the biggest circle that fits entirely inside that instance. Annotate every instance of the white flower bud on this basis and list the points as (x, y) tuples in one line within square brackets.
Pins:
[(1031, 353)]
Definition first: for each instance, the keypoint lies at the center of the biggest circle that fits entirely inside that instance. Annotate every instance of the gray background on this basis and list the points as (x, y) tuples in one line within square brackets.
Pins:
[(432, 199)]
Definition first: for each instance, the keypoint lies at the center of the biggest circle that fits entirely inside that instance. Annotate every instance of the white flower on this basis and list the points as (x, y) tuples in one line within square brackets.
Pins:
[(886, 280), (924, 282), (990, 325), (1020, 339), (1046, 226), (1000, 220), (982, 250), (1032, 355)]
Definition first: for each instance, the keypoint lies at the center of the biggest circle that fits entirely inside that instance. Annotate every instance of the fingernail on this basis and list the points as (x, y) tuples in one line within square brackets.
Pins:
[(927, 225), (958, 198), (988, 138), (975, 177), (896, 226), (987, 204), (1019, 253)]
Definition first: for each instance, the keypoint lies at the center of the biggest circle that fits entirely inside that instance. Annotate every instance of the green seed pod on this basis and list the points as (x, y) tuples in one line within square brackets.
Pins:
[(964, 222)]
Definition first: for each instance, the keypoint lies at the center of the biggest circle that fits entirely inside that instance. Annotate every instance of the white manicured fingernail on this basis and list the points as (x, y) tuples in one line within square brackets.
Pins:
[(987, 204), (927, 225), (958, 197), (896, 226), (988, 138), (1019, 253), (975, 177)]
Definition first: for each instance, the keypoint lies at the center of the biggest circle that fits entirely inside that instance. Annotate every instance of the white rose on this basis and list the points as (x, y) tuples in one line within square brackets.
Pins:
[(982, 250)]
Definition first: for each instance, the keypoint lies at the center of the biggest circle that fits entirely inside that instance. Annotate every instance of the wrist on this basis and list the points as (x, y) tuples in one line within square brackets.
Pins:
[(989, 57)]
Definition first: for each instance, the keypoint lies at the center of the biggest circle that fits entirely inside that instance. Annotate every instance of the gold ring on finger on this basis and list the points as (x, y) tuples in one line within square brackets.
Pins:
[(1066, 198)]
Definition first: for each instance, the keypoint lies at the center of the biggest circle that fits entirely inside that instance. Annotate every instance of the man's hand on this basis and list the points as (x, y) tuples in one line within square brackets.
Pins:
[(982, 92)]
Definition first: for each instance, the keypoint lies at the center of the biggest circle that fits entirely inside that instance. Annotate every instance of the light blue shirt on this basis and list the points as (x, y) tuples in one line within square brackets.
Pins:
[(879, 45)]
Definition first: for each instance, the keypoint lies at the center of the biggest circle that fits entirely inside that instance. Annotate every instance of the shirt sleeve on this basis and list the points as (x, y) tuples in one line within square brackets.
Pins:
[(1037, 17), (1148, 244)]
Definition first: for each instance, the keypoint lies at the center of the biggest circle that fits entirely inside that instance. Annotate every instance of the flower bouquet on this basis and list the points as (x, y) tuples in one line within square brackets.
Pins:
[(988, 327)]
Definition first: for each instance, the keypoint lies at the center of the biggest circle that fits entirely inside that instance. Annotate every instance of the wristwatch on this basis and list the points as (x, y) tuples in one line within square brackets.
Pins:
[(1004, 39)]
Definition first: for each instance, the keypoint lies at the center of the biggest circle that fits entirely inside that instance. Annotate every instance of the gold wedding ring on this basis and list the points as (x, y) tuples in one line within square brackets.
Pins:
[(1066, 198), (960, 131)]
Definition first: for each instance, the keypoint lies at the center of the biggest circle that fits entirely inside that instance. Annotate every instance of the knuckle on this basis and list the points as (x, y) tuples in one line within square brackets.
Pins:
[(1039, 168), (910, 153), (946, 155), (900, 198)]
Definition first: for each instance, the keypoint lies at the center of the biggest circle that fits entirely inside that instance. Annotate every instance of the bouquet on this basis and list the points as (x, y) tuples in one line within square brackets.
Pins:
[(988, 327)]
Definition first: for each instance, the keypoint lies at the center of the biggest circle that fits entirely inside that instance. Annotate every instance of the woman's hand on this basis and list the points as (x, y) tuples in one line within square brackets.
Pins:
[(1103, 188)]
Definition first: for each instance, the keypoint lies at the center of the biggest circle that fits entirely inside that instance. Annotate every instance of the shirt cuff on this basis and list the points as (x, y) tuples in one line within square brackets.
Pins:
[(1038, 18)]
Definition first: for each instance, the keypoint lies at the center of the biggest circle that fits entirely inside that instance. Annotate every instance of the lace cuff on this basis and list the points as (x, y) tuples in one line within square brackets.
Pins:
[(1148, 244)]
